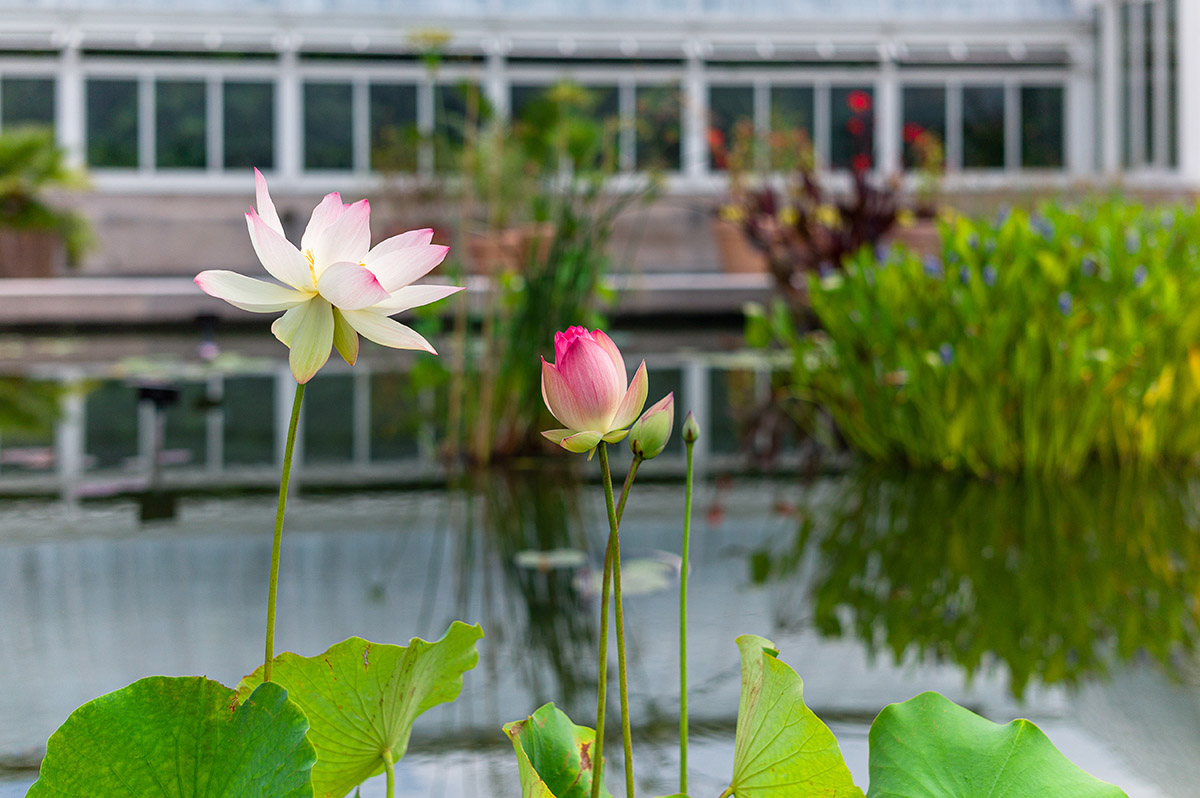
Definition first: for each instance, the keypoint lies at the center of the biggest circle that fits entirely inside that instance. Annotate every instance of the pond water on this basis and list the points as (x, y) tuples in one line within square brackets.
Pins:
[(1075, 605)]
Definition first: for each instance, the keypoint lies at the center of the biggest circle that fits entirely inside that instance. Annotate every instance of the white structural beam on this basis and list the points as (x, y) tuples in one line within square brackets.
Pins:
[(1188, 76), (887, 119), (69, 104), (695, 116), (1110, 87)]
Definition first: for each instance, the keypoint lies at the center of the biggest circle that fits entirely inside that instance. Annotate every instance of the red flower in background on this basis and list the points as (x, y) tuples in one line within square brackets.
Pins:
[(912, 131), (856, 126), (859, 102), (861, 162)]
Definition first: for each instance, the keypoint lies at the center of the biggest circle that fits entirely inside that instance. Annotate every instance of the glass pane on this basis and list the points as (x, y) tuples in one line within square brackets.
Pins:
[(185, 436), (394, 137), (983, 127), (730, 114), (27, 101), (249, 404), (587, 116), (180, 123), (658, 127), (522, 95), (328, 420), (112, 123), (456, 107), (396, 416), (328, 126), (852, 140), (111, 425), (791, 114), (924, 131), (1042, 127), (249, 125)]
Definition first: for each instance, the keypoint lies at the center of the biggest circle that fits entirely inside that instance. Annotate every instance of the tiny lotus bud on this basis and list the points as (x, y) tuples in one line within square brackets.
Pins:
[(691, 430), (649, 434)]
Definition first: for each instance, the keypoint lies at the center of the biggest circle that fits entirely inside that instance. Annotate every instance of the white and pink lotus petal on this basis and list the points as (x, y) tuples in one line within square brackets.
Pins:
[(347, 238), (412, 238), (385, 331), (278, 256), (262, 200), (594, 381), (247, 293), (600, 337), (326, 212), (415, 296), (399, 267), (350, 287), (577, 407), (633, 400)]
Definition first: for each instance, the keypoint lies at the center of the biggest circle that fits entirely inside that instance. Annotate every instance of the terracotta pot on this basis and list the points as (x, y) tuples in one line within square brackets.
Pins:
[(737, 254), (30, 253), (511, 249), (922, 237)]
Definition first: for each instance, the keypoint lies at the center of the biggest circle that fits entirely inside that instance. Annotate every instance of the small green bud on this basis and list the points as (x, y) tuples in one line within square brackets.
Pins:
[(649, 434), (691, 430)]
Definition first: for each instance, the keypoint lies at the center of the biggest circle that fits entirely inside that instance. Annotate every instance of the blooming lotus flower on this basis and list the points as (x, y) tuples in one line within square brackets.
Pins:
[(335, 286), (585, 389)]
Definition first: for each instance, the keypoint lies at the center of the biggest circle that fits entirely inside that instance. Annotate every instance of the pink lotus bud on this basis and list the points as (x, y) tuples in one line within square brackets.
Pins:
[(649, 434), (586, 390)]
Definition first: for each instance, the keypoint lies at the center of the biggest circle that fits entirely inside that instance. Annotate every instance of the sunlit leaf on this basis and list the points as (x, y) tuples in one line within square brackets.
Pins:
[(362, 698), (180, 736), (553, 755), (930, 746), (783, 748)]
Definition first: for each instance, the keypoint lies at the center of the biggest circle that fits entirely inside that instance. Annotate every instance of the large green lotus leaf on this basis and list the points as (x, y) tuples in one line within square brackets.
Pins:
[(783, 748), (361, 698), (553, 755), (932, 747), (176, 737)]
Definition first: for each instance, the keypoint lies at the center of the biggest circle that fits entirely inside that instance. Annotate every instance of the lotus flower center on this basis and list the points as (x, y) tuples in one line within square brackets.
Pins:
[(312, 269)]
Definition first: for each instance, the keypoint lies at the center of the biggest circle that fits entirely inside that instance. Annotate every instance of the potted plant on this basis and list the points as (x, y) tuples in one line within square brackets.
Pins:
[(34, 236)]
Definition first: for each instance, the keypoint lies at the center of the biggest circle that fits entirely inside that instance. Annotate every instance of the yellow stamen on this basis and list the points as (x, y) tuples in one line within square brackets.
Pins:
[(308, 255)]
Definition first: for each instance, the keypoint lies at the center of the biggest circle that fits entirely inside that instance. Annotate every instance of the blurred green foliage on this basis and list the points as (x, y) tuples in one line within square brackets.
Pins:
[(31, 162), (1035, 343), (1057, 582)]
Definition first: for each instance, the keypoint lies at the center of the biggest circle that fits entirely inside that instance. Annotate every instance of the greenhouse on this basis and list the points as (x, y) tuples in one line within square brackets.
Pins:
[(153, 97)]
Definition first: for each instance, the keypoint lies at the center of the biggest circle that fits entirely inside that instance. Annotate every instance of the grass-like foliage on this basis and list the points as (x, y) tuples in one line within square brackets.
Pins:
[(1037, 343)]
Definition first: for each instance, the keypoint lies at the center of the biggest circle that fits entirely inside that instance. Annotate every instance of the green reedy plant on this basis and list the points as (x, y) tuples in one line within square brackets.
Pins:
[(1037, 343)]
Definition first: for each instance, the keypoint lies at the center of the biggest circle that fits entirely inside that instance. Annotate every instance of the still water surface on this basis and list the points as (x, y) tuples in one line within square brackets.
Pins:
[(1076, 606)]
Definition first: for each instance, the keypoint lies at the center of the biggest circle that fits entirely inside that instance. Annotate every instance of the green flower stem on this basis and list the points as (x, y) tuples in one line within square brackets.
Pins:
[(273, 590), (683, 586), (390, 770), (633, 469), (602, 680), (615, 544), (597, 763)]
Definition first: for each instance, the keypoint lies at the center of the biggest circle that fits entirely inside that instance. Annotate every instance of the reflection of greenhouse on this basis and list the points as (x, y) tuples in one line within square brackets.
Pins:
[(154, 98)]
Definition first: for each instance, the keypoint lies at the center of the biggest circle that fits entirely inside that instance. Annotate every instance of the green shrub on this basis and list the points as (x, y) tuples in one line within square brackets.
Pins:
[(1036, 343)]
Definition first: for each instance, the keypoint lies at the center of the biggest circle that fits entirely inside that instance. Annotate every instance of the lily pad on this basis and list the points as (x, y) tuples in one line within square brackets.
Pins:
[(553, 755), (361, 698), (180, 736), (932, 747), (783, 748)]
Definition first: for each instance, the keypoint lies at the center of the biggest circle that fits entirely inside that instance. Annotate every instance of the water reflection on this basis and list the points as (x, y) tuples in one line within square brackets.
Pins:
[(92, 600), (1058, 582)]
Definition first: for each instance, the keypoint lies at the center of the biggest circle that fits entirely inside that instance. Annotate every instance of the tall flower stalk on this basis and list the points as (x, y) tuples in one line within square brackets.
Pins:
[(691, 433), (277, 541)]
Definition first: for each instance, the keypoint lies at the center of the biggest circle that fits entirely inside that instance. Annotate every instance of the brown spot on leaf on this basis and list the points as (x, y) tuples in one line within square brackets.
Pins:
[(585, 757), (366, 655)]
